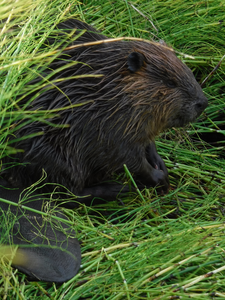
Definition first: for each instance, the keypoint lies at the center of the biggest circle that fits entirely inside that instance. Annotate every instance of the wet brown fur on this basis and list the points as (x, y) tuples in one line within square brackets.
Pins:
[(143, 89)]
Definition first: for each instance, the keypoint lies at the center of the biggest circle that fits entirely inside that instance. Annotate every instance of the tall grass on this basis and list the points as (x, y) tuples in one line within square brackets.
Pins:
[(148, 247)]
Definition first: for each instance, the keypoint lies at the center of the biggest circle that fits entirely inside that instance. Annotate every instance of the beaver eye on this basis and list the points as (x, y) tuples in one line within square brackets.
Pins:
[(171, 83)]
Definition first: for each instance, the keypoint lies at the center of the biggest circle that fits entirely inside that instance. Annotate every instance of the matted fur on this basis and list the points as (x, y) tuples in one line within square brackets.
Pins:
[(124, 111)]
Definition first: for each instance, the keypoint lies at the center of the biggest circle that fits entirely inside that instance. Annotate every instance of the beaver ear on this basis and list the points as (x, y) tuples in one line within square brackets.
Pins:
[(135, 61)]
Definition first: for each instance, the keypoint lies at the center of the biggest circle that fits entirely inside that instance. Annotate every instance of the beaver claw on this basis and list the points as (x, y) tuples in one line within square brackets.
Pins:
[(158, 174), (155, 159), (161, 181)]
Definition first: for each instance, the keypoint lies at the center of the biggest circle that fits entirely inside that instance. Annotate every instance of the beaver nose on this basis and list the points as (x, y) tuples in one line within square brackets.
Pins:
[(201, 105)]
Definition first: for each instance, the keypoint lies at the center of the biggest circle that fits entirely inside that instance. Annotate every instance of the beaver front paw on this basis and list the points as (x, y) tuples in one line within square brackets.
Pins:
[(153, 172), (160, 180), (155, 159)]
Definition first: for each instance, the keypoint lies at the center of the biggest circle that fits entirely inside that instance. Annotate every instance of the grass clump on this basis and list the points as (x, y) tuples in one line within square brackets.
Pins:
[(151, 246)]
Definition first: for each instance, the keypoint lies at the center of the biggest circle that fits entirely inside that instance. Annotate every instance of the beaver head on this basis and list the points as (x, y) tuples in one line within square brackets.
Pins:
[(166, 87)]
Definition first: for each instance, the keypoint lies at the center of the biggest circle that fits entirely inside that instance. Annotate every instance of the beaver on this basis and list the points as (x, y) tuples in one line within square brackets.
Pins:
[(141, 88), (117, 97)]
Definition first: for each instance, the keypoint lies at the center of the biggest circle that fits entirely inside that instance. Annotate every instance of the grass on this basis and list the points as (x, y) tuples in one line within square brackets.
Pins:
[(151, 247)]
